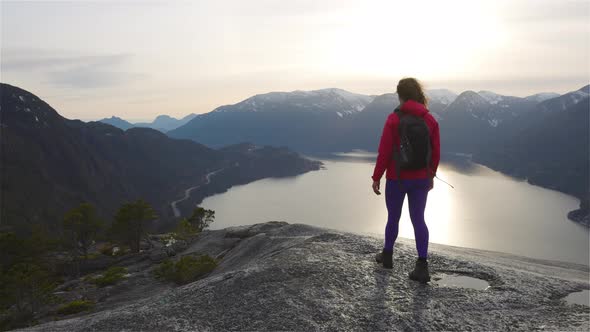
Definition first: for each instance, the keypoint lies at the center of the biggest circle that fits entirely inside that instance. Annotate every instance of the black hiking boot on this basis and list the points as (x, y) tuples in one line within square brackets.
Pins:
[(420, 272), (385, 258)]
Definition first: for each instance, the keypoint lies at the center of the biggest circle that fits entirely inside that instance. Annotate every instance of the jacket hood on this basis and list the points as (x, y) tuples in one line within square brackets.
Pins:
[(414, 108)]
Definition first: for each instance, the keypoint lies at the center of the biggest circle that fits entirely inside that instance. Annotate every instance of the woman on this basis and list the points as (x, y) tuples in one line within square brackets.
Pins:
[(415, 182)]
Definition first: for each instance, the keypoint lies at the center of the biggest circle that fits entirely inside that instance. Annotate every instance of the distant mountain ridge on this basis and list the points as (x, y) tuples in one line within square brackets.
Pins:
[(329, 120), (333, 100), (551, 149), (296, 119), (161, 123), (117, 122), (308, 121), (165, 122), (561, 103)]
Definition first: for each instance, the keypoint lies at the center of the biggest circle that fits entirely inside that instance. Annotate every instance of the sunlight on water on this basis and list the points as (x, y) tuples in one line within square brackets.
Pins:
[(450, 280), (486, 210), (581, 297)]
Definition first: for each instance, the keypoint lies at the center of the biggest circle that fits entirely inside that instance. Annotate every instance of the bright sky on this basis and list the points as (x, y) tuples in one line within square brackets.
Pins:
[(138, 59)]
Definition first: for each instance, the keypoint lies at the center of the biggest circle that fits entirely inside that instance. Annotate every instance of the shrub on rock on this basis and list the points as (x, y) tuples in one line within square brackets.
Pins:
[(75, 307), (110, 277), (187, 269)]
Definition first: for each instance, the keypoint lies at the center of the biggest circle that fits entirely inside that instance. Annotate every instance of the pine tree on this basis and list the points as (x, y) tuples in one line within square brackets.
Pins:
[(81, 226), (28, 286), (201, 218), (131, 221)]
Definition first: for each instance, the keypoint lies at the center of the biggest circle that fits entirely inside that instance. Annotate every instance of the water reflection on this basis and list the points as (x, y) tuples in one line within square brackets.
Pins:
[(449, 280), (486, 210), (581, 297), (460, 163), (354, 156)]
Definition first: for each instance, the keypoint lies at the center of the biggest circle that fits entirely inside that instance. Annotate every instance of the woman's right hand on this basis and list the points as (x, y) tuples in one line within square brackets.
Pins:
[(376, 185)]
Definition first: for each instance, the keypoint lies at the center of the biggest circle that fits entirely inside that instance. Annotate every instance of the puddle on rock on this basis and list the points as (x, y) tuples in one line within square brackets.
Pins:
[(581, 297), (459, 281)]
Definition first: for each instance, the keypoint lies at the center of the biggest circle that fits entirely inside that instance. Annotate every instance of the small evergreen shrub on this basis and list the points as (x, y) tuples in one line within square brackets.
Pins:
[(165, 270), (75, 307), (185, 230), (187, 269), (190, 268), (111, 276)]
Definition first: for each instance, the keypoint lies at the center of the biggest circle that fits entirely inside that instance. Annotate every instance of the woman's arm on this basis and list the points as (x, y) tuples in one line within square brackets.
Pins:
[(385, 149)]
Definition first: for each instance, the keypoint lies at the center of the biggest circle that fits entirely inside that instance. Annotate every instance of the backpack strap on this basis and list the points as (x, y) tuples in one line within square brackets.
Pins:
[(397, 153)]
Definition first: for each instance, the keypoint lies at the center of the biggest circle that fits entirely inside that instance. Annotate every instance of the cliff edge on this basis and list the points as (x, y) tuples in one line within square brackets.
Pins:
[(278, 276)]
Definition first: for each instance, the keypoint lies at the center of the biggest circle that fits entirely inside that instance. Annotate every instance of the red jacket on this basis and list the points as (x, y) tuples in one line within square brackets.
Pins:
[(390, 139)]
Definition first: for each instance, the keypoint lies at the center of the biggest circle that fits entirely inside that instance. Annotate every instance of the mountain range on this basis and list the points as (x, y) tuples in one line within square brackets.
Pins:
[(50, 164), (331, 120), (542, 137), (550, 146), (162, 123)]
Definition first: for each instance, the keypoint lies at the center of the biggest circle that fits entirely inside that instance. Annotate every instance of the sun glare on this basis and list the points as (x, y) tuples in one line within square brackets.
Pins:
[(429, 39)]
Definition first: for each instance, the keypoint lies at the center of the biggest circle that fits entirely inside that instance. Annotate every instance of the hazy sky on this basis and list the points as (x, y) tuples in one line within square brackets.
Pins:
[(138, 59)]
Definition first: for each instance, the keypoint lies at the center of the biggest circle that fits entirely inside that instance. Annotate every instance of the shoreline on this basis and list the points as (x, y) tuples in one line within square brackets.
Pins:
[(187, 192)]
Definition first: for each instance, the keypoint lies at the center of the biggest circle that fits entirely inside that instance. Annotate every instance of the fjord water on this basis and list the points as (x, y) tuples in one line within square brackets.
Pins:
[(486, 210)]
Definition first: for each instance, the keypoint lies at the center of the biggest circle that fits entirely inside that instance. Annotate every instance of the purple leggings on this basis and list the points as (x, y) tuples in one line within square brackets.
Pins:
[(417, 191)]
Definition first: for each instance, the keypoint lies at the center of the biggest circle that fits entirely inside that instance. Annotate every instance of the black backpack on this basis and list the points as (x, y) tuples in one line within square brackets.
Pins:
[(415, 150)]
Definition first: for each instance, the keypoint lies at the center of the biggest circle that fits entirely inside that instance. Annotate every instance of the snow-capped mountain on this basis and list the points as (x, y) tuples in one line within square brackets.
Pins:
[(337, 101), (315, 120), (547, 145), (489, 107), (474, 105), (565, 101), (491, 97), (541, 97), (475, 118), (442, 96), (338, 120), (468, 101)]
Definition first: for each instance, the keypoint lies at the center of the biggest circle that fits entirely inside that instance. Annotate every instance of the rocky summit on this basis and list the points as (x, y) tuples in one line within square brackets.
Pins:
[(278, 276)]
